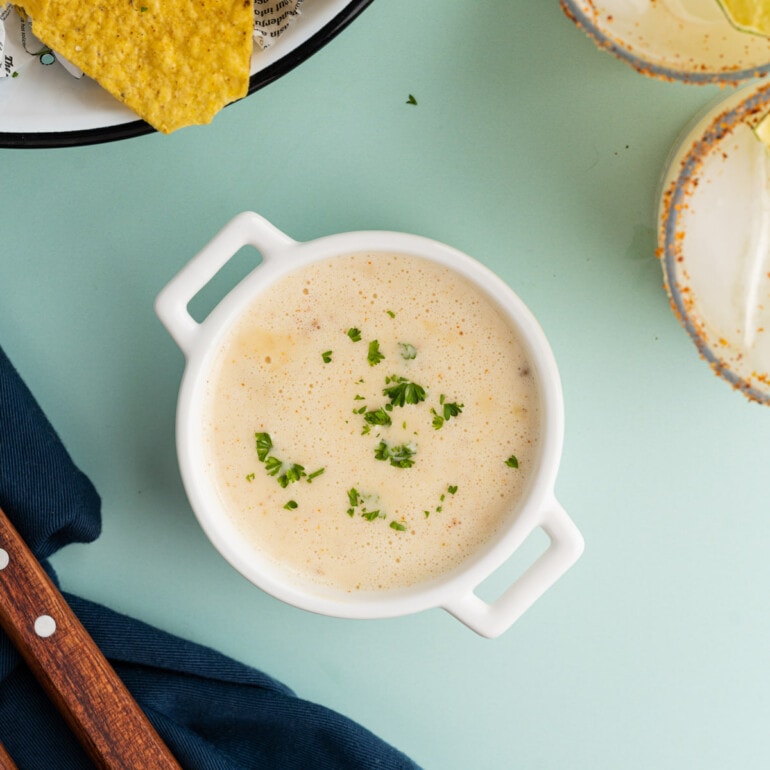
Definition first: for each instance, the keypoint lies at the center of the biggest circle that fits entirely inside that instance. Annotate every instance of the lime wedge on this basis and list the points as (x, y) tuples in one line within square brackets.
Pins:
[(762, 129), (748, 15)]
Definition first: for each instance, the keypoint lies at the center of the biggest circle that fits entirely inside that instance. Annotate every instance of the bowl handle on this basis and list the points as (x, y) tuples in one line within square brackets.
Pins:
[(245, 229), (565, 548)]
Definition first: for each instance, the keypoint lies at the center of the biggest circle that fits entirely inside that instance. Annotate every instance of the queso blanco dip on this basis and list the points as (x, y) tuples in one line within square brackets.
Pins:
[(371, 421)]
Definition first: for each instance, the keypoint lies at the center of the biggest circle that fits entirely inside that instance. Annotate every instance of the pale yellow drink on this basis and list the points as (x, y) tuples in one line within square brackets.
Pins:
[(374, 506)]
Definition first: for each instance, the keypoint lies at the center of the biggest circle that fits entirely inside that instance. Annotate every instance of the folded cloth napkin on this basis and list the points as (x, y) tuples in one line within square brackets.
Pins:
[(213, 712)]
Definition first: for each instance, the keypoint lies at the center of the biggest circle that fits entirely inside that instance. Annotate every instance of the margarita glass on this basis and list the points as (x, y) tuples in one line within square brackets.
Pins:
[(714, 239), (686, 40)]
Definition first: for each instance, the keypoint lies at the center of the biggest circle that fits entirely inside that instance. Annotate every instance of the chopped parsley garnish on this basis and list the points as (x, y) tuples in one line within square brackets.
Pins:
[(357, 500), (264, 445), (401, 456), (401, 391), (398, 391), (411, 100), (273, 466), (449, 410), (250, 477), (451, 489), (353, 497), (293, 472), (512, 462), (285, 473), (374, 356), (378, 417)]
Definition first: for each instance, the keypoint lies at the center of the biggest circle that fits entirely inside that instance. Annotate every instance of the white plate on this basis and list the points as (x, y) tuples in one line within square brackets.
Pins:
[(47, 107)]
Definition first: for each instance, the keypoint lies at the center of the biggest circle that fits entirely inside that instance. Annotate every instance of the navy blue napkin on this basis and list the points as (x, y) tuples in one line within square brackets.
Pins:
[(213, 712)]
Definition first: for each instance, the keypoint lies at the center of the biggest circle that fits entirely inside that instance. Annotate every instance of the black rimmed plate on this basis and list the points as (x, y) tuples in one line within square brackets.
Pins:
[(47, 107)]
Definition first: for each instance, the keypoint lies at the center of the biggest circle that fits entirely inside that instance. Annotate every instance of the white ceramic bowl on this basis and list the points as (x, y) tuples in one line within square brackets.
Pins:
[(686, 40), (455, 592)]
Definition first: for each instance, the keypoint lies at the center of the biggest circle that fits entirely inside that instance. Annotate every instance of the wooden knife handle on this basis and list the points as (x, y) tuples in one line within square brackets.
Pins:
[(70, 667), (6, 763)]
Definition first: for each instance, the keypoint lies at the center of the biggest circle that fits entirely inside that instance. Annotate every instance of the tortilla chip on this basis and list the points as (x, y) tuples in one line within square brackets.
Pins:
[(174, 62)]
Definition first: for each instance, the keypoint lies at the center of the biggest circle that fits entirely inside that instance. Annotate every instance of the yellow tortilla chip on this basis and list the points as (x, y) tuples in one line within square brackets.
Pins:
[(37, 7), (174, 62)]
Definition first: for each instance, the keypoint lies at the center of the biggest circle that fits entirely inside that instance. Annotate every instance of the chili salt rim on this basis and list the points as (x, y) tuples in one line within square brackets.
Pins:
[(674, 201), (623, 51)]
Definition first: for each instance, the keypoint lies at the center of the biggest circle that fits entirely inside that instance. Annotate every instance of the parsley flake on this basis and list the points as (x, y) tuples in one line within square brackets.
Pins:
[(401, 391), (293, 473), (374, 356), (285, 473), (512, 462), (408, 352), (264, 445), (401, 456), (357, 500), (354, 334), (448, 410), (378, 417), (291, 505)]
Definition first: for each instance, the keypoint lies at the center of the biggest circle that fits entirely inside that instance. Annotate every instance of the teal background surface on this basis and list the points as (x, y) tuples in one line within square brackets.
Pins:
[(539, 155)]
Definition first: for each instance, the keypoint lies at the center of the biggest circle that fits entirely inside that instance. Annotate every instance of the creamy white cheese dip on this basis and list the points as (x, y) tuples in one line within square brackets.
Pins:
[(308, 375)]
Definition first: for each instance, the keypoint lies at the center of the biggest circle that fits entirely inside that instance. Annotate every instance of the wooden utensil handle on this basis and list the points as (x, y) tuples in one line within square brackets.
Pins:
[(6, 763), (72, 670)]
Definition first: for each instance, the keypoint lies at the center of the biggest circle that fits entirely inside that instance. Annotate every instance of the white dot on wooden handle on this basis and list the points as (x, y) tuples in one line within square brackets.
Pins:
[(4, 558), (45, 626)]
